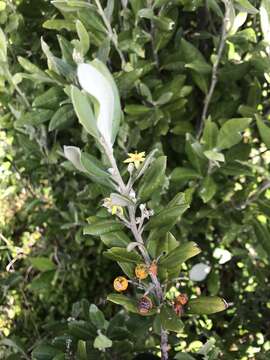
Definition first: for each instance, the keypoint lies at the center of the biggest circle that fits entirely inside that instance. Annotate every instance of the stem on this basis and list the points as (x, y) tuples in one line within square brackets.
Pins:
[(138, 237), (111, 32), (214, 77), (19, 91)]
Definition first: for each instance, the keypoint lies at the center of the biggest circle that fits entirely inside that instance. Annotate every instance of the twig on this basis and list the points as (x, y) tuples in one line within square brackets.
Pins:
[(124, 189), (214, 76), (111, 32), (19, 91), (263, 187)]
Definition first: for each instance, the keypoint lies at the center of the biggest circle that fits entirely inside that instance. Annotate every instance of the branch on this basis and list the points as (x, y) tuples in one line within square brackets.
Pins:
[(111, 32), (124, 189), (214, 76)]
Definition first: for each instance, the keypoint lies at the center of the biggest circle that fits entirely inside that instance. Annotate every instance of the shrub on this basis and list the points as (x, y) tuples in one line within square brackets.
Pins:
[(193, 82)]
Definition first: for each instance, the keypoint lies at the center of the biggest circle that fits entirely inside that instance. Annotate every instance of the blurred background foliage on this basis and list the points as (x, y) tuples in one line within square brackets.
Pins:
[(161, 54)]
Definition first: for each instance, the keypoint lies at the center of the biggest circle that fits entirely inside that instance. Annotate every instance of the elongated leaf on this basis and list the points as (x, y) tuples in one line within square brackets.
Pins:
[(97, 318), (230, 132), (206, 305), (62, 118), (81, 329), (121, 200), (153, 178), (180, 254), (128, 303), (247, 6), (115, 239), (210, 134), (84, 111), (208, 189), (93, 166), (59, 24), (169, 320), (168, 216), (96, 80), (264, 131), (42, 263), (49, 99), (184, 174), (122, 255), (45, 352), (83, 36), (102, 227)]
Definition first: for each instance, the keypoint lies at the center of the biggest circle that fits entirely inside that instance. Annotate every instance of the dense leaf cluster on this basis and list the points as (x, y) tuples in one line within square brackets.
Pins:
[(161, 54)]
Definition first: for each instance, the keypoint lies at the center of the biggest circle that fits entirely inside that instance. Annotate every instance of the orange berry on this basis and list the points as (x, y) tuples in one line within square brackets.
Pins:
[(153, 269), (182, 299), (144, 305), (120, 284), (141, 271)]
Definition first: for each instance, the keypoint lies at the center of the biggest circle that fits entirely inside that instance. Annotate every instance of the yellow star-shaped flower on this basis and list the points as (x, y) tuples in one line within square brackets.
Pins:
[(135, 158)]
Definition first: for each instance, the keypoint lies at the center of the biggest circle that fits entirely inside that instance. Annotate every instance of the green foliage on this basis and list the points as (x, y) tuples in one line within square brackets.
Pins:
[(211, 191)]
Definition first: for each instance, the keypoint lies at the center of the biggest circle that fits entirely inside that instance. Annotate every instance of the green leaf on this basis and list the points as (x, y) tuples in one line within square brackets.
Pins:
[(13, 344), (264, 131), (50, 99), (59, 24), (128, 268), (34, 118), (37, 75), (102, 227), (42, 263), (246, 5), (180, 254), (83, 36), (81, 329), (93, 166), (199, 66), (210, 134), (171, 214), (184, 174), (102, 342), (153, 178), (84, 112), (3, 46), (121, 200), (122, 255), (81, 350), (194, 151), (205, 305), (115, 239), (208, 189), (169, 320), (214, 156), (44, 352), (120, 299), (97, 318), (62, 118), (230, 133)]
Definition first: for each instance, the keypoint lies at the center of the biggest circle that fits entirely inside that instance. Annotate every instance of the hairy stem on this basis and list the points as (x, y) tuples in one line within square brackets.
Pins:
[(214, 76), (138, 237)]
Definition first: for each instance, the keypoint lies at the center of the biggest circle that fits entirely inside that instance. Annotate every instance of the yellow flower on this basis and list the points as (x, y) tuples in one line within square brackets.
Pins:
[(135, 158), (113, 209), (117, 210)]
